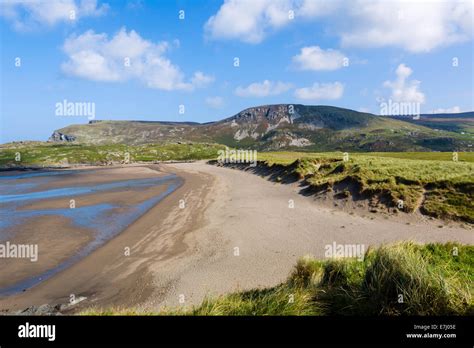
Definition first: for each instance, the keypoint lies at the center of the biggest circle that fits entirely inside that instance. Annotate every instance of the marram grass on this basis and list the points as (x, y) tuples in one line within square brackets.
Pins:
[(397, 279), (435, 184)]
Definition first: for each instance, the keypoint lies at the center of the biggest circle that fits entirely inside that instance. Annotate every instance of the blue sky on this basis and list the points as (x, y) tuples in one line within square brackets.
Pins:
[(352, 54)]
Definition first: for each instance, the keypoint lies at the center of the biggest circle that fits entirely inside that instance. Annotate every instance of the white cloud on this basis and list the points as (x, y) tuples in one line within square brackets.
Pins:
[(318, 91), (123, 57), (215, 102), (403, 90), (248, 20), (263, 89), (28, 14), (415, 25), (315, 58), (453, 110), (201, 80)]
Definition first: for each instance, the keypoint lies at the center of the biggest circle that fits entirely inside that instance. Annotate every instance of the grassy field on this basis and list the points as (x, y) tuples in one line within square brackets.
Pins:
[(50, 154), (431, 182), (289, 157), (399, 279)]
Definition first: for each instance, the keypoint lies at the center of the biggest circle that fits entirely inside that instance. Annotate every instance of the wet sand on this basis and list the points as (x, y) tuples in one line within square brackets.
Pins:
[(55, 246), (62, 241), (95, 175), (111, 275), (234, 232)]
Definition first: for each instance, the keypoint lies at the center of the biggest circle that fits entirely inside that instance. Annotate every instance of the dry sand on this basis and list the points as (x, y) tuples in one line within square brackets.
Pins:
[(253, 215), (234, 232)]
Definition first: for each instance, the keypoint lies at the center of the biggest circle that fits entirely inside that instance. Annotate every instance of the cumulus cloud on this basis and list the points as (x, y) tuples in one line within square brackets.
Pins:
[(318, 91), (215, 102), (28, 14), (248, 20), (404, 90), (315, 58), (201, 80), (123, 57), (263, 89), (416, 26), (453, 110)]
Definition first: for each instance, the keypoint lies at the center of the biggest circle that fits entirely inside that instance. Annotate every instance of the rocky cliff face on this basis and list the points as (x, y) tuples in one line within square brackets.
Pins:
[(60, 137), (266, 121), (267, 113)]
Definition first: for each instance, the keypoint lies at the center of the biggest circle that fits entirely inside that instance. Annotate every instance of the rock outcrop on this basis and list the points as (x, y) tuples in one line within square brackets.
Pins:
[(60, 137)]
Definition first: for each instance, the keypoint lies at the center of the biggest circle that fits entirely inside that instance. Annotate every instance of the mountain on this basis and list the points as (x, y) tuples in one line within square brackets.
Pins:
[(281, 126), (461, 122)]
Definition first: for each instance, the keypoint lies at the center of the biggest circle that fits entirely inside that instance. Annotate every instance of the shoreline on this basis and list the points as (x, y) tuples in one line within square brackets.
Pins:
[(49, 290), (78, 166), (190, 253)]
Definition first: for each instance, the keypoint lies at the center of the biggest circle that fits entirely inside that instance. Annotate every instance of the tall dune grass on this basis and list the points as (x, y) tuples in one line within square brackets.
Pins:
[(398, 279)]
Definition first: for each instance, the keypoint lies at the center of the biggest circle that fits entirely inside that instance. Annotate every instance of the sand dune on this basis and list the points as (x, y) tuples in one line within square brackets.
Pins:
[(253, 215)]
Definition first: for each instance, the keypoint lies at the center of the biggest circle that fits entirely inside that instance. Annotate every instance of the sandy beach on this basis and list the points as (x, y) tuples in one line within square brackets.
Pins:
[(223, 230)]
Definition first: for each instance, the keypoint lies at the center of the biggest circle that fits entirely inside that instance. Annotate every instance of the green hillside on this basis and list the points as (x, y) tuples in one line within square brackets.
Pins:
[(277, 127)]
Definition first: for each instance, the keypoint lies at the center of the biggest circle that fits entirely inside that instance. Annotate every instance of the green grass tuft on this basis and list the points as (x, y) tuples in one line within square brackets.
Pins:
[(432, 183), (398, 279)]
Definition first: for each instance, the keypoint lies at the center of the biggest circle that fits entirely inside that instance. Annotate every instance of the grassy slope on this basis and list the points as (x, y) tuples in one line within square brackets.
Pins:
[(433, 182), (134, 133), (434, 279), (459, 123), (385, 134), (344, 130), (379, 135)]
